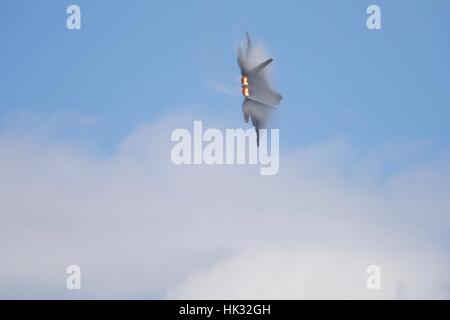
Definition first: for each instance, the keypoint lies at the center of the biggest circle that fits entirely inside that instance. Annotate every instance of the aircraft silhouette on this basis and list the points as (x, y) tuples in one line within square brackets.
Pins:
[(259, 98)]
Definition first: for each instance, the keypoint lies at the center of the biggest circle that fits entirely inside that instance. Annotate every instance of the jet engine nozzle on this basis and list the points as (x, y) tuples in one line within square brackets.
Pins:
[(245, 91), (244, 80)]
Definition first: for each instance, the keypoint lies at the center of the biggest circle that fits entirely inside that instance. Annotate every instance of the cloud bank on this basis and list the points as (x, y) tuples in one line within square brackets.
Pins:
[(140, 227)]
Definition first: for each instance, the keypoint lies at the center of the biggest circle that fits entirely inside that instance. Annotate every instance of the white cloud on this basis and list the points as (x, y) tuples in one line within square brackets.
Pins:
[(315, 273), (141, 227)]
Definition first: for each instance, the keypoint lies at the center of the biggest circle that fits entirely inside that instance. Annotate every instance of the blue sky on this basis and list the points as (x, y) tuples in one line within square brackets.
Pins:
[(136, 60)]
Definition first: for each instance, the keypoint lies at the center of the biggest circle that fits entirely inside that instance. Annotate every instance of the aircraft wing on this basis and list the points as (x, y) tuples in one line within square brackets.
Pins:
[(259, 67), (261, 92), (260, 89)]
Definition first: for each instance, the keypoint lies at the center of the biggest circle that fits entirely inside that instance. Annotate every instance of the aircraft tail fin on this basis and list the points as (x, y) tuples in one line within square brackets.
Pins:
[(249, 42), (241, 60)]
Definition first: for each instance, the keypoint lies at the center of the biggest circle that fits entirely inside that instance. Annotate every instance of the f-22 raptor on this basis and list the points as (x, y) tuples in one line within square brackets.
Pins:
[(259, 98)]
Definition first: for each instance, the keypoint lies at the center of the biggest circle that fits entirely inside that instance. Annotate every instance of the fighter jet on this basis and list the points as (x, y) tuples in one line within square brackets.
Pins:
[(259, 98)]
